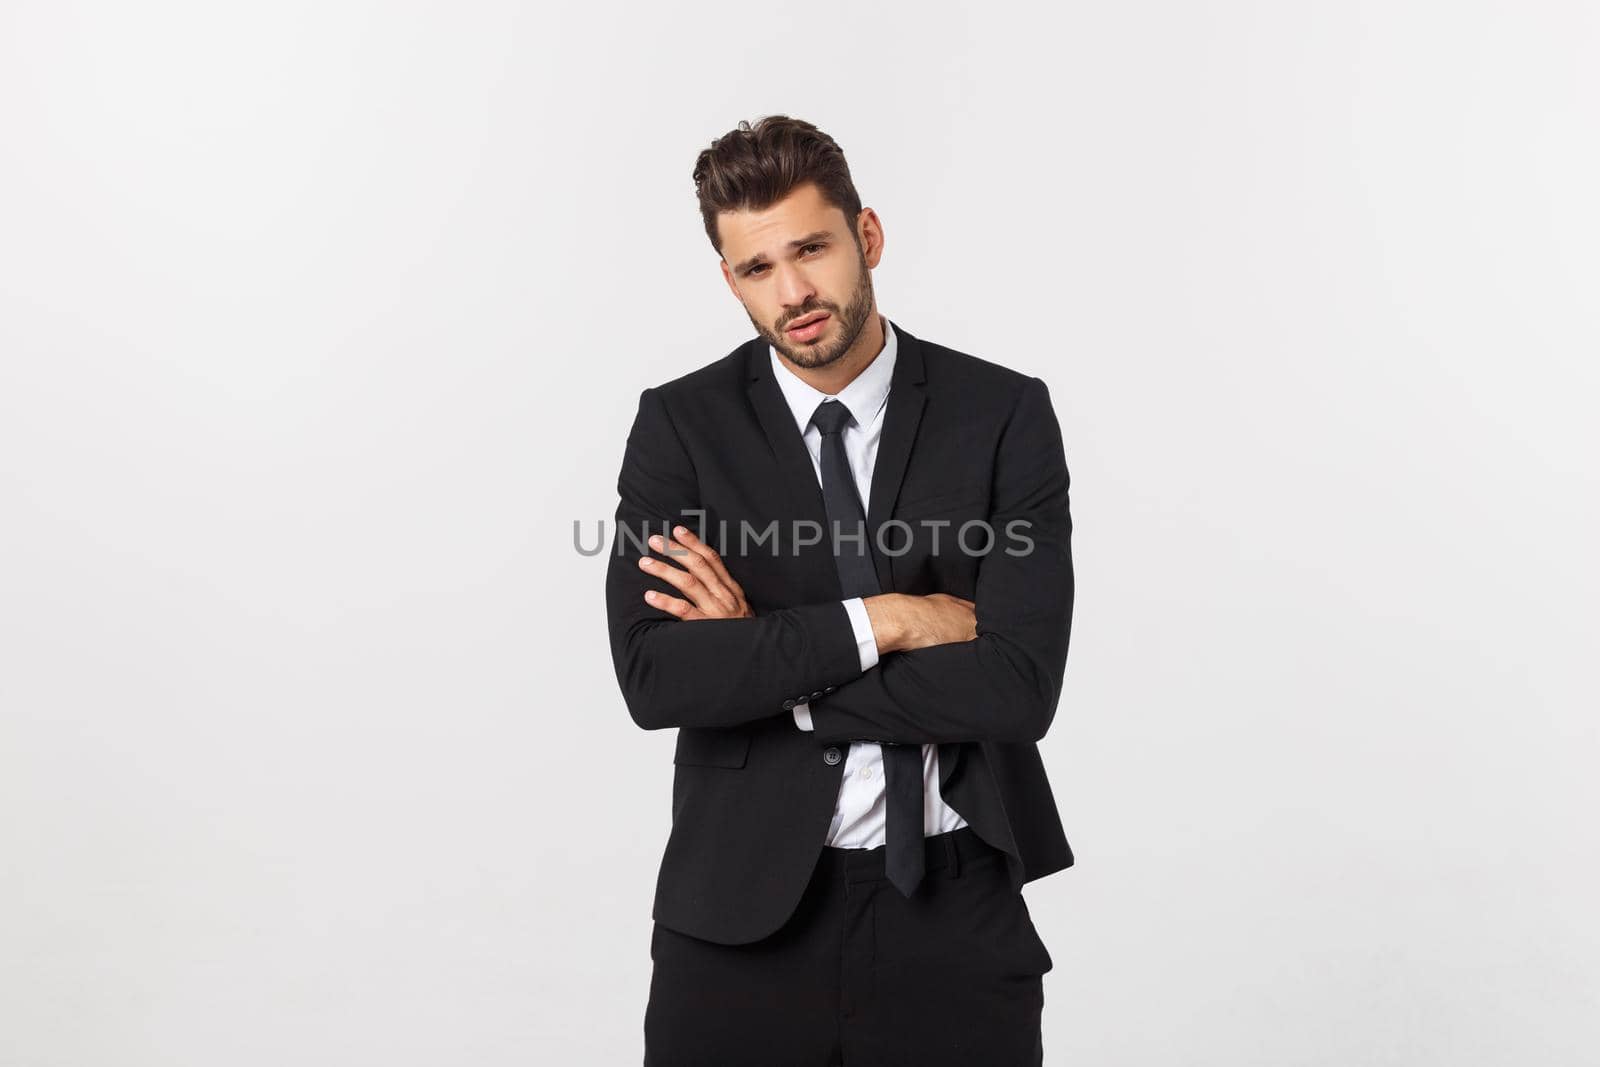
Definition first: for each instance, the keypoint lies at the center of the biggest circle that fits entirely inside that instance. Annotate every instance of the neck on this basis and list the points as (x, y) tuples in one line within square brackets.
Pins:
[(841, 372)]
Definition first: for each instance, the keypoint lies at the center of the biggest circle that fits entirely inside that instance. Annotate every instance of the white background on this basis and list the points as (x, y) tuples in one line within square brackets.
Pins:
[(321, 324)]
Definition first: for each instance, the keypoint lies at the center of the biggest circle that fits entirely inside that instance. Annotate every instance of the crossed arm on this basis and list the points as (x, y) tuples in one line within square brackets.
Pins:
[(950, 669)]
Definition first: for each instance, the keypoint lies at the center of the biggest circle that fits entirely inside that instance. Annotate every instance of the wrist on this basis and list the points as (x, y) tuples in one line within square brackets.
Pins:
[(888, 622)]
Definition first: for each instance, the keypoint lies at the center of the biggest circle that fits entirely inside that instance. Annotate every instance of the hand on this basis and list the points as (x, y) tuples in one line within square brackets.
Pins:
[(712, 592), (901, 622)]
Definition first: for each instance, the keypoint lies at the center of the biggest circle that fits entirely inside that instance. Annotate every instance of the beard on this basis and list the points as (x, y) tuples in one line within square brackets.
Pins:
[(851, 321)]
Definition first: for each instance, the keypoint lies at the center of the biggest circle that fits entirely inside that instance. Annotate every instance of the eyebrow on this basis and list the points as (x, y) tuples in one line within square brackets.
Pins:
[(799, 242)]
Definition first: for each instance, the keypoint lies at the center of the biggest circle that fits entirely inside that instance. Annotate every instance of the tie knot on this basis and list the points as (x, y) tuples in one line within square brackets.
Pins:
[(830, 416)]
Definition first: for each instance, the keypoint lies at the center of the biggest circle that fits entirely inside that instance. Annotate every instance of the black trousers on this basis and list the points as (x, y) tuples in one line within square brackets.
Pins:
[(862, 976)]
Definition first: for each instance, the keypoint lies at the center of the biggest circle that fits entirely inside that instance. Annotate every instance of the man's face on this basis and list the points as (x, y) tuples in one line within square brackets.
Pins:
[(797, 259)]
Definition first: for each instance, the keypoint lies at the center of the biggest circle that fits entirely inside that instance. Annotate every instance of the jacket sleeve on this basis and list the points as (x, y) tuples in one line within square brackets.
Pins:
[(702, 672), (1003, 685)]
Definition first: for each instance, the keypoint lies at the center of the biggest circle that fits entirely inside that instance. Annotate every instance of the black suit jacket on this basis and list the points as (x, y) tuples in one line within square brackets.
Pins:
[(752, 794)]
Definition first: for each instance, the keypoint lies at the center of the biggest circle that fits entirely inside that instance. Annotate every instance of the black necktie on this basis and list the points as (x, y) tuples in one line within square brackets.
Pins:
[(902, 764)]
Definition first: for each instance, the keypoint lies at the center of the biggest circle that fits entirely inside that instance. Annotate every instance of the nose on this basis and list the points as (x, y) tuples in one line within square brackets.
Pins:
[(794, 290)]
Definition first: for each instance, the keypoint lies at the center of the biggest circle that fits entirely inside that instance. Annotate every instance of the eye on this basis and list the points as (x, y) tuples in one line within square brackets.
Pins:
[(761, 267)]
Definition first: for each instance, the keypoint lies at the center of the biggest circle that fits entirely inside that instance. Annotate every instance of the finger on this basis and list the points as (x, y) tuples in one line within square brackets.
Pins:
[(704, 590), (683, 581), (712, 557), (694, 560), (670, 604)]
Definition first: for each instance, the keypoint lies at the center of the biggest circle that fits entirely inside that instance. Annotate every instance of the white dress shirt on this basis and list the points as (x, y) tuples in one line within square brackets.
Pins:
[(858, 814)]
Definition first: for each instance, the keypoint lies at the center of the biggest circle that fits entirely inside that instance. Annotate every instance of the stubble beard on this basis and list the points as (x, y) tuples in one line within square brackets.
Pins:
[(852, 320)]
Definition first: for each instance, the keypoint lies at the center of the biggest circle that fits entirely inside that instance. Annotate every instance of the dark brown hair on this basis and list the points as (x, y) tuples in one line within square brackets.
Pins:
[(751, 168)]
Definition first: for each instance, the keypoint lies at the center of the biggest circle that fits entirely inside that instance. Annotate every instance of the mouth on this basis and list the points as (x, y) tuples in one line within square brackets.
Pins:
[(808, 327)]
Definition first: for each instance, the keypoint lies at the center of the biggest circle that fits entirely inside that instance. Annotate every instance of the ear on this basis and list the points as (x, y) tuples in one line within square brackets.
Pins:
[(727, 275), (870, 228)]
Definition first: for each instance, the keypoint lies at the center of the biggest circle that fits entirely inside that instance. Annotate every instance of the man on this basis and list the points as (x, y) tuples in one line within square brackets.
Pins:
[(854, 610)]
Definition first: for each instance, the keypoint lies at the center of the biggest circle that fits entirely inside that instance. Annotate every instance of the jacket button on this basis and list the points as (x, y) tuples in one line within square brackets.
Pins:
[(816, 694), (830, 689), (788, 705), (830, 755)]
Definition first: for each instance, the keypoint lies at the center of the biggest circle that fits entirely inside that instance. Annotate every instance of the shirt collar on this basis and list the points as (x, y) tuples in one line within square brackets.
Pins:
[(864, 396)]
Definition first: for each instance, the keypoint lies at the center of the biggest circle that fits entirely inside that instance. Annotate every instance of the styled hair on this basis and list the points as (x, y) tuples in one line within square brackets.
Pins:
[(750, 168)]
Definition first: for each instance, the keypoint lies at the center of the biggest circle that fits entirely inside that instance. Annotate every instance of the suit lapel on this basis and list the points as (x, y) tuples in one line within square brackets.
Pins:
[(799, 477), (907, 396), (900, 422)]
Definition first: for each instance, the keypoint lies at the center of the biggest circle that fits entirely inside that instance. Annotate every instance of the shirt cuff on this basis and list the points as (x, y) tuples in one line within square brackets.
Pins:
[(866, 652), (861, 623)]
